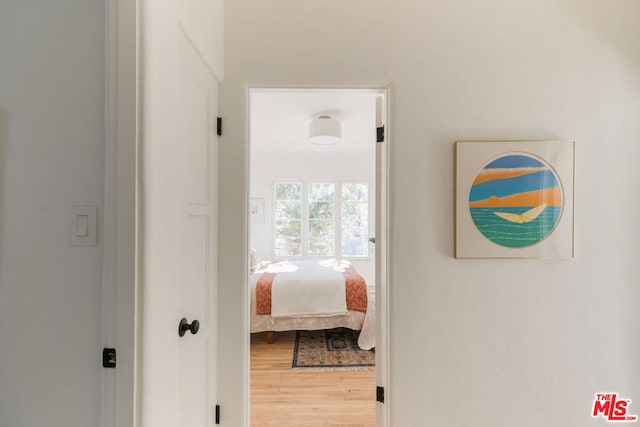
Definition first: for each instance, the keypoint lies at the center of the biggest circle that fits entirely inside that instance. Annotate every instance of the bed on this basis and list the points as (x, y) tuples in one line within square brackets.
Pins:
[(309, 295)]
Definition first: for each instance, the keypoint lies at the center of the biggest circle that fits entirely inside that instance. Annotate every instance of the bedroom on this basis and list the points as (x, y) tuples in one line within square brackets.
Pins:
[(312, 206)]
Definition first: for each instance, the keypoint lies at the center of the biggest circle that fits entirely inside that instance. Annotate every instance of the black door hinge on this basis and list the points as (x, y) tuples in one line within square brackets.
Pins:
[(217, 414), (380, 394), (219, 126), (380, 134), (108, 357)]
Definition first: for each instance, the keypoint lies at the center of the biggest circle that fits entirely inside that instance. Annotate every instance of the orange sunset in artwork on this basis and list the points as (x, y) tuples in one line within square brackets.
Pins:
[(516, 200)]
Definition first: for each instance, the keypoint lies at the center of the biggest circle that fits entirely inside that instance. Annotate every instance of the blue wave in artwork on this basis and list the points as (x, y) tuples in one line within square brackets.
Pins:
[(505, 233), (508, 186), (515, 161)]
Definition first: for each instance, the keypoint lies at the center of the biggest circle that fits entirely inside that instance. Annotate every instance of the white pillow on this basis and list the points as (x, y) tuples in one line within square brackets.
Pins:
[(254, 260)]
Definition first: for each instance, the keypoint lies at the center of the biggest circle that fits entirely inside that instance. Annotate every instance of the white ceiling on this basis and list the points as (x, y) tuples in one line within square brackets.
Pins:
[(280, 118)]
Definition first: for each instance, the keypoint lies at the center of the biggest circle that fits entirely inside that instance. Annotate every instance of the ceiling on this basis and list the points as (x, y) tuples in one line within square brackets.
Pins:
[(280, 118)]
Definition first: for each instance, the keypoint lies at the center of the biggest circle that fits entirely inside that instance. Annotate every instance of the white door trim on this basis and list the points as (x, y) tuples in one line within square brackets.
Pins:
[(383, 347), (118, 297)]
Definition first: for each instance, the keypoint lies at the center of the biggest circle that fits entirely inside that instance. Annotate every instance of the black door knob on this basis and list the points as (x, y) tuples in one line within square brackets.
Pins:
[(185, 326)]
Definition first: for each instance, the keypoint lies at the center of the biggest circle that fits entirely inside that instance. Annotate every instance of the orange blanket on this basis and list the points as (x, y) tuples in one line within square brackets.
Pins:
[(356, 291)]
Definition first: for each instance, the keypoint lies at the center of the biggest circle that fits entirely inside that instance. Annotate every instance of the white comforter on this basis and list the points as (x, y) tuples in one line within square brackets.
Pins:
[(365, 322), (307, 288)]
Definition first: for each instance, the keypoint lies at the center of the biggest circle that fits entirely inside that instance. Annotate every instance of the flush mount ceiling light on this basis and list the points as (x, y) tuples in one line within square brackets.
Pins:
[(324, 130)]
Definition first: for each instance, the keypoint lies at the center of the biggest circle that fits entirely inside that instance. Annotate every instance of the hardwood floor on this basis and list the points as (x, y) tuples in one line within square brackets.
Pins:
[(285, 398)]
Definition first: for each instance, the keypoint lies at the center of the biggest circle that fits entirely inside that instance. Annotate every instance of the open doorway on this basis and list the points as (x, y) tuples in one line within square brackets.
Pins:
[(316, 215)]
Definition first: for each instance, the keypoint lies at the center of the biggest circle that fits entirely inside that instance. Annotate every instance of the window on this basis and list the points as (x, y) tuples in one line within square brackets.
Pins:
[(307, 221), (355, 219), (322, 219), (288, 217)]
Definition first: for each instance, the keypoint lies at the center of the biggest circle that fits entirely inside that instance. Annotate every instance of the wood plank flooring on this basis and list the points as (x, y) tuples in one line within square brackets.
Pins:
[(285, 398)]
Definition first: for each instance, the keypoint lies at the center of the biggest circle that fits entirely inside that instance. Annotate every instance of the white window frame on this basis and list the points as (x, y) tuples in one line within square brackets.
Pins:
[(337, 218)]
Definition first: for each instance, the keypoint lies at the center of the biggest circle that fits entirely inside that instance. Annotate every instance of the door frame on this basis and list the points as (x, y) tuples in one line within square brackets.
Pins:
[(121, 298), (119, 237), (382, 227)]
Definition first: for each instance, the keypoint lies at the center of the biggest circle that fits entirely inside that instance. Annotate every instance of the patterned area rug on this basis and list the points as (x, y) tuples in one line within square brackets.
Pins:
[(331, 350)]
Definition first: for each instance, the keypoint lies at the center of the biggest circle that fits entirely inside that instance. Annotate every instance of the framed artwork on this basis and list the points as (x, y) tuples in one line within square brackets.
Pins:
[(256, 208), (514, 199)]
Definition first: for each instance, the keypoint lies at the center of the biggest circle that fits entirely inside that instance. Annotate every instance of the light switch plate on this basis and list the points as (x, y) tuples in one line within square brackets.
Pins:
[(83, 228)]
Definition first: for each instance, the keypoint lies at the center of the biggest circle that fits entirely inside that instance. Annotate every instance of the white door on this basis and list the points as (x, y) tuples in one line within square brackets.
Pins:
[(177, 205), (196, 289)]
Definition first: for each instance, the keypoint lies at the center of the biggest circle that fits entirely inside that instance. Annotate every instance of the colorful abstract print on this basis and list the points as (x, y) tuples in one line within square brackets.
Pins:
[(516, 200)]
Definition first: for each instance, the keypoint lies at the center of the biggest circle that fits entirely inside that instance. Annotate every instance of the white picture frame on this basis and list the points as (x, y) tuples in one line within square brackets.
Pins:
[(514, 199), (256, 210)]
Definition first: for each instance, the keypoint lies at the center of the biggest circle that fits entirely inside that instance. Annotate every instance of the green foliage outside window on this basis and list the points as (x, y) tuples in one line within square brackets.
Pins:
[(312, 219)]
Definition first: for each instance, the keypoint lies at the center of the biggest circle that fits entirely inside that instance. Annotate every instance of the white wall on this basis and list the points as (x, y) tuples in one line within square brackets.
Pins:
[(268, 167), (474, 342), (51, 157)]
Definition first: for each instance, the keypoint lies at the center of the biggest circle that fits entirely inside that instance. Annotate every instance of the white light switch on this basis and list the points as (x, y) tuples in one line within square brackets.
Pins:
[(84, 226)]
